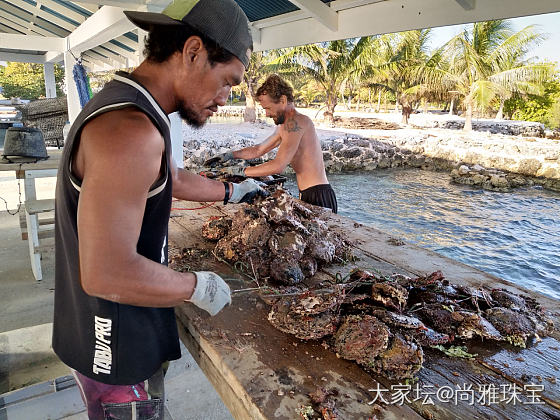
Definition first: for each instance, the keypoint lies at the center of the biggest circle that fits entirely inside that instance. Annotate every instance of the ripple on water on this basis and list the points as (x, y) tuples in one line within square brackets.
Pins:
[(515, 236)]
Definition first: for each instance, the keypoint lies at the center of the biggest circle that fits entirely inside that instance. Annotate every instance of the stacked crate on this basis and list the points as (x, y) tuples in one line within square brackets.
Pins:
[(48, 115)]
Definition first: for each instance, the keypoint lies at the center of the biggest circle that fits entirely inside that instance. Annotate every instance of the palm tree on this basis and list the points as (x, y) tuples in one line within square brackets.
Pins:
[(483, 64), (396, 67), (330, 64), (259, 67)]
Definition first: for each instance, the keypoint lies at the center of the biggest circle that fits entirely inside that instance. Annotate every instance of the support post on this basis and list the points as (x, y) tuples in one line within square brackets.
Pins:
[(50, 83), (177, 139), (72, 98)]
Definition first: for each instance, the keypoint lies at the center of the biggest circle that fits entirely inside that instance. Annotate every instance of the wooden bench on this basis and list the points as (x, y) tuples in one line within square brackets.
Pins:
[(37, 228)]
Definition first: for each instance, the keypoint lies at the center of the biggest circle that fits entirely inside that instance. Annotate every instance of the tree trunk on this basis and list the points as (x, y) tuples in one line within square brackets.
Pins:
[(378, 101), (468, 116), (331, 105), (425, 107), (500, 114), (406, 109), (250, 114), (451, 106)]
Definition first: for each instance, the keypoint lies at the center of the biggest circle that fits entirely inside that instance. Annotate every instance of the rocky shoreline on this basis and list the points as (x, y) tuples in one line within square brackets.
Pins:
[(492, 161)]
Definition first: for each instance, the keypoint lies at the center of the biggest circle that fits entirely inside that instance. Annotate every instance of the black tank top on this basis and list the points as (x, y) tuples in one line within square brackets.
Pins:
[(110, 342)]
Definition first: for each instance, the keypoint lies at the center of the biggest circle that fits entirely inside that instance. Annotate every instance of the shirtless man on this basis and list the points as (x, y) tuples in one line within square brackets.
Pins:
[(297, 144)]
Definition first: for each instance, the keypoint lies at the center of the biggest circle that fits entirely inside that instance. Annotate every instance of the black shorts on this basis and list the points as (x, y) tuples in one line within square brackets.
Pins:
[(320, 195)]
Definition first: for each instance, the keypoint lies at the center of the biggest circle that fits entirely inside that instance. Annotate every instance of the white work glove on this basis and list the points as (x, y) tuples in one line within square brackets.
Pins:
[(211, 292), (221, 158), (234, 170), (246, 191)]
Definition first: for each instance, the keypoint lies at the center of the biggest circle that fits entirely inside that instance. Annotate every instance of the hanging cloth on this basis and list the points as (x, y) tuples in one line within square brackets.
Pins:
[(82, 83)]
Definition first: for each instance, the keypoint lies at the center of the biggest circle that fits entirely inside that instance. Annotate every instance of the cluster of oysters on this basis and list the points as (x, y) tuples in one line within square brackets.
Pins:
[(382, 323), (278, 238), (379, 322)]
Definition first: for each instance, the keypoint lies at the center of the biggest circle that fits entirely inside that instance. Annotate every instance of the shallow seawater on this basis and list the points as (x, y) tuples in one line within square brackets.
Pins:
[(515, 236)]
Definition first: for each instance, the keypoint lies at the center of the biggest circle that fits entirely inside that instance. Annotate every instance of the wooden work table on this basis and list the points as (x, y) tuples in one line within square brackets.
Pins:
[(45, 164), (263, 373)]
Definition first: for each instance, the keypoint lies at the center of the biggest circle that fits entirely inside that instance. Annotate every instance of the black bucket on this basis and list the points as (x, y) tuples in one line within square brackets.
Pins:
[(24, 144)]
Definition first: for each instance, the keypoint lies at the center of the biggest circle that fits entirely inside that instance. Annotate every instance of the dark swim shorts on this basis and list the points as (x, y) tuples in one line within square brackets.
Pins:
[(320, 195)]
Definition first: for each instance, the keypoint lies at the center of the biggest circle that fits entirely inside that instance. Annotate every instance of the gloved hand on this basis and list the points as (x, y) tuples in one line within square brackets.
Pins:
[(234, 170), (211, 292), (221, 158), (246, 191)]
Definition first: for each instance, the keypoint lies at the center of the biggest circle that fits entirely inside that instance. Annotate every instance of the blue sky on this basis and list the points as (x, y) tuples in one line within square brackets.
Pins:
[(549, 24)]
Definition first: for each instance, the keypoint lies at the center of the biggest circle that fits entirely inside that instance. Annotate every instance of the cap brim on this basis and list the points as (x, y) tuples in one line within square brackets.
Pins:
[(144, 20)]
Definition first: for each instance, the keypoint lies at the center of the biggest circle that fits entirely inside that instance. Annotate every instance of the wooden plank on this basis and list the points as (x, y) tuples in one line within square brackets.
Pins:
[(491, 396), (271, 373), (21, 168), (243, 346), (214, 375), (39, 206), (46, 226), (538, 365)]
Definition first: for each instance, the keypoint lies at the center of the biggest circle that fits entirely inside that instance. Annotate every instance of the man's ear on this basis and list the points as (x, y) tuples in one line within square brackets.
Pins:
[(192, 49), (283, 99)]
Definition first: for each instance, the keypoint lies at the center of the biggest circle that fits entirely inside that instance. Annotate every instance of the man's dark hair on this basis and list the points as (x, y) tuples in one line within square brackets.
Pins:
[(274, 86), (163, 41)]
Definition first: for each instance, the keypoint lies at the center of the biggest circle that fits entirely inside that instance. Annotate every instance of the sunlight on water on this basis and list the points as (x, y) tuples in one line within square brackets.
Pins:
[(515, 236)]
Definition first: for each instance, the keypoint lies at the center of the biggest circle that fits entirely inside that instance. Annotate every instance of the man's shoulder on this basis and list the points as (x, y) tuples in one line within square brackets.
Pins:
[(127, 125), (297, 123)]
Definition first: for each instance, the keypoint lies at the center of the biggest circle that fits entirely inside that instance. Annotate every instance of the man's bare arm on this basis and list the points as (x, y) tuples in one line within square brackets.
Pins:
[(291, 136), (118, 159), (193, 187), (260, 149)]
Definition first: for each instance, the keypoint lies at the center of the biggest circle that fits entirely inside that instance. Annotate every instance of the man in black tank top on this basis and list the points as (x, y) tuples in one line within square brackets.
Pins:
[(114, 323)]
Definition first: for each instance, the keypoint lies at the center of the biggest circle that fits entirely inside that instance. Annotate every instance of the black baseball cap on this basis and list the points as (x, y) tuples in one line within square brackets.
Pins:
[(223, 21)]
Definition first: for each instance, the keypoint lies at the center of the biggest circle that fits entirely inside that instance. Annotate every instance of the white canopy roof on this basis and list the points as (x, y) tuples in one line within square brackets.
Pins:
[(40, 31), (49, 31)]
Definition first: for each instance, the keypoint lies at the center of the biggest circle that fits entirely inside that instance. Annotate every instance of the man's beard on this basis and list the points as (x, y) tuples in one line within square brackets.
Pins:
[(190, 117), (280, 118)]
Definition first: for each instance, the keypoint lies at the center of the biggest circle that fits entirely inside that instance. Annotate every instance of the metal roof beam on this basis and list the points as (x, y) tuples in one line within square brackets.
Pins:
[(9, 30), (22, 58), (63, 10), (395, 16), (54, 57), (34, 10), (90, 7), (22, 23), (319, 11), (104, 25), (133, 45), (116, 58), (467, 4), (127, 4), (31, 42)]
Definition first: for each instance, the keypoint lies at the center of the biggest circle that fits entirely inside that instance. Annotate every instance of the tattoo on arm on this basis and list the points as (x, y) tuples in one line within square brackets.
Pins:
[(292, 126)]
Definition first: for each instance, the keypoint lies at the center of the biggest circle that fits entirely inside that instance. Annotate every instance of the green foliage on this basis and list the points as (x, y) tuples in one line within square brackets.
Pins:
[(541, 108), (26, 80)]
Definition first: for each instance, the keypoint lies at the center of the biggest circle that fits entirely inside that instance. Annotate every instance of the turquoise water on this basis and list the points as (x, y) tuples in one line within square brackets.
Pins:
[(515, 236)]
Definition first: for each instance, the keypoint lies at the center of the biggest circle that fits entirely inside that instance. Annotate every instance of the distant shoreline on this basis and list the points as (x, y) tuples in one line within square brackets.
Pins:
[(515, 159)]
